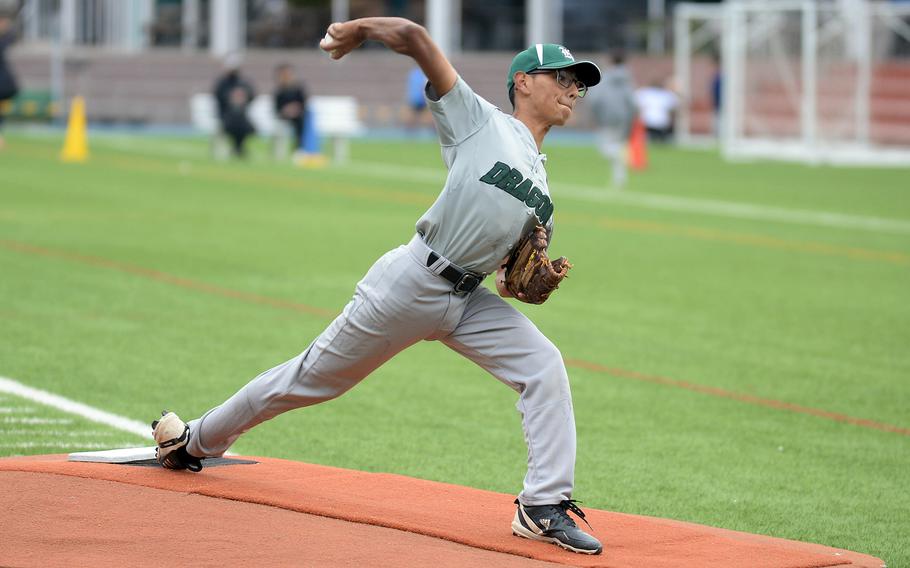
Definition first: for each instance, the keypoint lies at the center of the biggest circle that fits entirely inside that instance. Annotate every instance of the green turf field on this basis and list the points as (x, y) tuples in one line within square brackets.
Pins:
[(737, 335)]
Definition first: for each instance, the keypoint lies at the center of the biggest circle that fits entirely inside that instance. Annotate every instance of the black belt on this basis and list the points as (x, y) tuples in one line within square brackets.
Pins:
[(464, 282)]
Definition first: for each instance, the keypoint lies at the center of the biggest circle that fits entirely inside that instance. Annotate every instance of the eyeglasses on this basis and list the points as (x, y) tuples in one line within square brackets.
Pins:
[(564, 79)]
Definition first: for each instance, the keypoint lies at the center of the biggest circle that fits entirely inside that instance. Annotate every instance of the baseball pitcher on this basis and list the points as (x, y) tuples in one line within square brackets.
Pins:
[(493, 216)]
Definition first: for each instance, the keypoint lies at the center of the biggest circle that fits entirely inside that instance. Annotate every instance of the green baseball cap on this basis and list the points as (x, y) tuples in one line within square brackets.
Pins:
[(552, 56)]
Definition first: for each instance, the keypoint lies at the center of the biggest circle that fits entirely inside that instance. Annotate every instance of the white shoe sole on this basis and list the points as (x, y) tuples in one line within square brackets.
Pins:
[(169, 428), (520, 531)]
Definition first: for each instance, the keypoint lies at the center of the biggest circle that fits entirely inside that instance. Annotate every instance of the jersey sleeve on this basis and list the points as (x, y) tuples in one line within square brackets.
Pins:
[(459, 113)]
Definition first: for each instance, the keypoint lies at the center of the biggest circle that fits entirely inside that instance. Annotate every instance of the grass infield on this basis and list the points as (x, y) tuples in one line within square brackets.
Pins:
[(736, 334)]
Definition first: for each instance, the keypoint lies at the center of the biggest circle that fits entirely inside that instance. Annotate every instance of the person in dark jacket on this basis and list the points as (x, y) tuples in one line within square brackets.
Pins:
[(290, 101), (8, 86), (234, 94)]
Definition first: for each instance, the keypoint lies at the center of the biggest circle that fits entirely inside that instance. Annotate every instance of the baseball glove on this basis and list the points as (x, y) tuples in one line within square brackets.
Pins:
[(530, 276)]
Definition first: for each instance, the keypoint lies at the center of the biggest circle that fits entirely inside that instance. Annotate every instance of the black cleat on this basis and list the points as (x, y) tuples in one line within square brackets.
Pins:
[(552, 523)]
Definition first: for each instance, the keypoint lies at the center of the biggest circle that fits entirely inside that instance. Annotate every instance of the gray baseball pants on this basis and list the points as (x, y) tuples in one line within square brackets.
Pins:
[(399, 302)]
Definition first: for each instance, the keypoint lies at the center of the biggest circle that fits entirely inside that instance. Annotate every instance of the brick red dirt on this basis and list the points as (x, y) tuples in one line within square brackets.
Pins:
[(284, 513)]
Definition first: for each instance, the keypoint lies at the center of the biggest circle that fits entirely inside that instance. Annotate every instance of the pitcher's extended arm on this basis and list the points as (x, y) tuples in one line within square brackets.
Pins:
[(398, 34)]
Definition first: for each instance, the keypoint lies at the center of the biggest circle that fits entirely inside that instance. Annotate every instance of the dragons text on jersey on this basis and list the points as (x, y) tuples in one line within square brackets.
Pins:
[(514, 183)]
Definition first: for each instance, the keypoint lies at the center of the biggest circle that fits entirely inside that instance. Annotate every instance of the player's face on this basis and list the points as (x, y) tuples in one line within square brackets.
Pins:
[(555, 94)]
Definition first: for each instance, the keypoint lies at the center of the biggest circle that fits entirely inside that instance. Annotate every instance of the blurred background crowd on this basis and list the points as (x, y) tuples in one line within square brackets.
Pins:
[(148, 63)]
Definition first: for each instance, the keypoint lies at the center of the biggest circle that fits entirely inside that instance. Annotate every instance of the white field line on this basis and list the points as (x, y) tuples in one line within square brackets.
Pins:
[(718, 208), (749, 211), (45, 421), (129, 143), (173, 148), (61, 445), (72, 407), (17, 410), (589, 193), (58, 433)]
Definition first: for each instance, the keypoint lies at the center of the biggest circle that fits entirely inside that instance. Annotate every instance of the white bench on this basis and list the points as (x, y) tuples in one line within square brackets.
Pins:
[(335, 118), (204, 114)]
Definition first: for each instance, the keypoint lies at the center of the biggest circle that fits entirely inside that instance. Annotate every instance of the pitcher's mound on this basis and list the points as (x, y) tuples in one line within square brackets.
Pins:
[(268, 512)]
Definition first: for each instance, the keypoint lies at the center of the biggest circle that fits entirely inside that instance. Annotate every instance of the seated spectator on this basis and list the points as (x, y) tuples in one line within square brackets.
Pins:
[(234, 94), (290, 102), (235, 121)]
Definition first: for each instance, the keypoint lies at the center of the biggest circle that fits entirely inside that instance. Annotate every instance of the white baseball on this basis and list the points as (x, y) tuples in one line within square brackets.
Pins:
[(327, 39)]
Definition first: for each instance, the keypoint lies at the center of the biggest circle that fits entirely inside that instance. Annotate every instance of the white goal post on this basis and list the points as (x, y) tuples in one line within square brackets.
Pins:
[(813, 81)]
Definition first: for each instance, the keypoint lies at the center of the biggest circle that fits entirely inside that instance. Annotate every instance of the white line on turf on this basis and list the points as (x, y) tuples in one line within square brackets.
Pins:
[(59, 421), (62, 445), (17, 410), (590, 193), (72, 407), (738, 210), (58, 433), (172, 148), (719, 208)]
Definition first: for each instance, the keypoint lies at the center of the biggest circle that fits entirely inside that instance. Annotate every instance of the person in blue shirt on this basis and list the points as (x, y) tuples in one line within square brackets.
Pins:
[(417, 103), (716, 92)]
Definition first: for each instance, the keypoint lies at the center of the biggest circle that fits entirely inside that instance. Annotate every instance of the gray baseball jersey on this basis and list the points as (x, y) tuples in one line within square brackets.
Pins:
[(496, 190)]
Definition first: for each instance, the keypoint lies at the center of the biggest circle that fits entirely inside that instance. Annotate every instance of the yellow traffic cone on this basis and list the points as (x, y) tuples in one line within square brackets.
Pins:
[(75, 147)]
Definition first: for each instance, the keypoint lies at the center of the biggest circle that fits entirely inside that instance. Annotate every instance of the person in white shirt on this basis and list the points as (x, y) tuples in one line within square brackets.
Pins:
[(657, 106)]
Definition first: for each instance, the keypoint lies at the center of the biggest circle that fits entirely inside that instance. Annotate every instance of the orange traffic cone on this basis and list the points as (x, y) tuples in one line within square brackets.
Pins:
[(638, 146)]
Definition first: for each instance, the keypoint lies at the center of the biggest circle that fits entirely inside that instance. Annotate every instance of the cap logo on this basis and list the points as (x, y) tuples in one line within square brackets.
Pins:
[(566, 53), (539, 47)]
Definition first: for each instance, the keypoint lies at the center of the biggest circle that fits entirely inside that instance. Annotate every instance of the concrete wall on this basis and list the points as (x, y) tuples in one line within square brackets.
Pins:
[(155, 87)]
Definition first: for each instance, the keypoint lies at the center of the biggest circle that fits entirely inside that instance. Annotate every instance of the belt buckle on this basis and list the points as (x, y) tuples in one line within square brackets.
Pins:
[(467, 283)]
